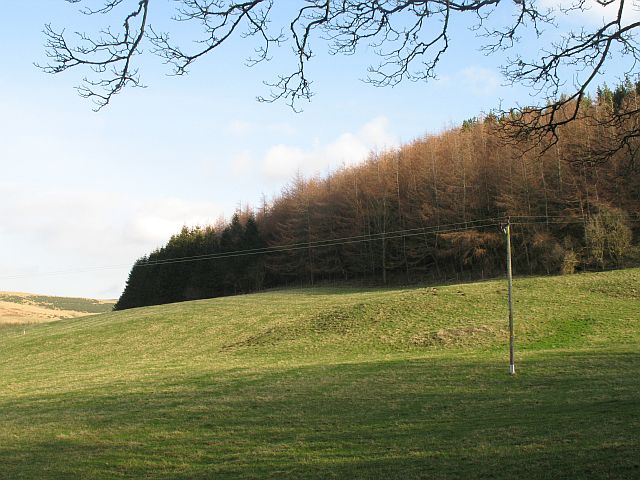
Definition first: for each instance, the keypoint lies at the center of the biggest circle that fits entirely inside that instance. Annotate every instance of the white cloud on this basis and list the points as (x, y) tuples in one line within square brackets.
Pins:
[(376, 133), (84, 221), (348, 149), (153, 222), (282, 161), (57, 230)]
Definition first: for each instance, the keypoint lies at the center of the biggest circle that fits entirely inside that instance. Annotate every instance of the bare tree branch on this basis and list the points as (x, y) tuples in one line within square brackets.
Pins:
[(108, 55), (411, 37), (587, 52)]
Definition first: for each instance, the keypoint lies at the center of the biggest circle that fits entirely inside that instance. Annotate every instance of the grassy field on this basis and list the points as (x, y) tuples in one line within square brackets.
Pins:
[(373, 384), (25, 308)]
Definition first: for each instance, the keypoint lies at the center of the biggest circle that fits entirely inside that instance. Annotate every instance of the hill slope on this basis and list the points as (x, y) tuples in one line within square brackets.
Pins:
[(22, 308), (333, 384)]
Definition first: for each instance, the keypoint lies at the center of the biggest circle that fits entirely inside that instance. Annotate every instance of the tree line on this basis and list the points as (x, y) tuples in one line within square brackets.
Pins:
[(428, 211)]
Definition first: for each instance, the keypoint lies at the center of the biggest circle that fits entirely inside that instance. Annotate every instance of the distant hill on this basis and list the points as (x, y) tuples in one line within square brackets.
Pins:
[(23, 308)]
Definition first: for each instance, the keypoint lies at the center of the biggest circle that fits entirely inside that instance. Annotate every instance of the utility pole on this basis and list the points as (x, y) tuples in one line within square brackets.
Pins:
[(507, 231)]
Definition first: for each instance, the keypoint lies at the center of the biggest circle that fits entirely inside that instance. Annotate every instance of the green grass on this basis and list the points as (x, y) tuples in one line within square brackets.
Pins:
[(334, 384)]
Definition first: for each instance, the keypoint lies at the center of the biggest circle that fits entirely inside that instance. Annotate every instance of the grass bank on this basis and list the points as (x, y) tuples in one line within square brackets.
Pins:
[(334, 384)]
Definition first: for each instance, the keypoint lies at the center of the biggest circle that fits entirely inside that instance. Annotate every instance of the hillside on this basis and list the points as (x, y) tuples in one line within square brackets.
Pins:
[(24, 308), (362, 383)]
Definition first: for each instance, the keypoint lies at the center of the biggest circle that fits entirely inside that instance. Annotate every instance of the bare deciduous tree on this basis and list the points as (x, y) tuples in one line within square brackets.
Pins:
[(410, 38)]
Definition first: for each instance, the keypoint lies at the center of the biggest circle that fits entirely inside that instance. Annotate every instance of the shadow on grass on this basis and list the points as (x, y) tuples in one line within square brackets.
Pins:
[(563, 416)]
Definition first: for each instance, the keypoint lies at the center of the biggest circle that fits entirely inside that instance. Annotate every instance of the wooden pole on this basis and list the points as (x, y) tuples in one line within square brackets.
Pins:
[(512, 366)]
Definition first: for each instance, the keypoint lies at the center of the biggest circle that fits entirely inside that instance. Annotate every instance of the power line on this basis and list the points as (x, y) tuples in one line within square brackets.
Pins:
[(334, 241), (329, 243), (433, 230), (412, 232), (561, 222)]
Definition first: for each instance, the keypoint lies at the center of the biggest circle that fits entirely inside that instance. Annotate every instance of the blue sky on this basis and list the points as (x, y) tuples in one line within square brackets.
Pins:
[(81, 189)]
